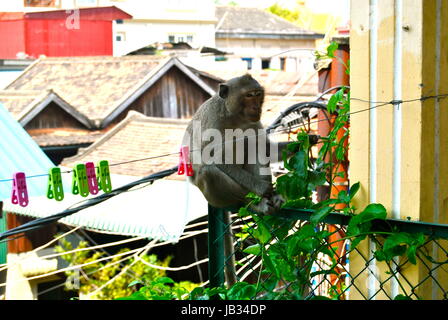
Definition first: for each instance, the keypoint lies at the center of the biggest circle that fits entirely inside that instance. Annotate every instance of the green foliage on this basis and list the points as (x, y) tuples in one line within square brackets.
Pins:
[(287, 14), (288, 255), (289, 252), (96, 274), (163, 288)]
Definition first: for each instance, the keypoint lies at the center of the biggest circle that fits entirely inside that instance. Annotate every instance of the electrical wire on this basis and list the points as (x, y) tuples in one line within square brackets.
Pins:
[(38, 223), (315, 103), (185, 236)]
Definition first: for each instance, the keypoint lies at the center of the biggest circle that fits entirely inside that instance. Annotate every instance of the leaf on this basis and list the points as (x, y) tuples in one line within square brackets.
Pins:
[(135, 296), (402, 297), (411, 253), (267, 261), (320, 214), (299, 163), (252, 196), (291, 186), (292, 247), (343, 197), (243, 212), (354, 189), (402, 243), (255, 249), (135, 282), (316, 178), (262, 233), (359, 223), (334, 100), (162, 280), (241, 291), (329, 271), (332, 48)]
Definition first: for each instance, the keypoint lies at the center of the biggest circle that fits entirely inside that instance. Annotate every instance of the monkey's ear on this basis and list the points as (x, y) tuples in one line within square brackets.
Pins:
[(223, 91)]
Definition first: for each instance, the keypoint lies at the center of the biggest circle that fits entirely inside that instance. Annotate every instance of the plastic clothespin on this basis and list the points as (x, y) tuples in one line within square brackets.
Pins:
[(55, 189), (19, 194), (79, 182), (185, 166), (103, 175), (91, 178)]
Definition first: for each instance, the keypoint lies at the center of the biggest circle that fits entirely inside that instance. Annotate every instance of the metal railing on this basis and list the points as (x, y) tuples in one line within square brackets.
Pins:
[(356, 273)]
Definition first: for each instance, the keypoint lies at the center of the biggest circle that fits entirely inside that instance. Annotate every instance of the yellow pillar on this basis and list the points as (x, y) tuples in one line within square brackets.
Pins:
[(384, 35)]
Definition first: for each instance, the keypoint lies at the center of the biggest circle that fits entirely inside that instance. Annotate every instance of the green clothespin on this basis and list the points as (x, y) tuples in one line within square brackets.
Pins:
[(79, 183), (55, 188), (103, 175)]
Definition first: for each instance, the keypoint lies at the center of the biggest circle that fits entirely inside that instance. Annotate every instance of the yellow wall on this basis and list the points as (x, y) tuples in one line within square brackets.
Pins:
[(423, 173)]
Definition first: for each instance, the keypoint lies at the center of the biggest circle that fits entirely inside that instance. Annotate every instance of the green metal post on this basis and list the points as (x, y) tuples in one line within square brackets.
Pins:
[(216, 246)]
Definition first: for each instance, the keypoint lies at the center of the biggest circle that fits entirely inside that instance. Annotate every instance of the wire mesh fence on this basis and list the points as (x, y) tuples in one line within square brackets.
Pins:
[(337, 270)]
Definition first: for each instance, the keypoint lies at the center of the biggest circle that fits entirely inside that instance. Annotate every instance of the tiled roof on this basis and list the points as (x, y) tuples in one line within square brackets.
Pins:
[(18, 101), (275, 82), (65, 137), (97, 86), (92, 85), (240, 20), (136, 137), (25, 104)]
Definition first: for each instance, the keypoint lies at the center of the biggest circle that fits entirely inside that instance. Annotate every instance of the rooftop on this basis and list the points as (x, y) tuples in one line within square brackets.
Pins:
[(137, 137), (252, 22), (92, 85)]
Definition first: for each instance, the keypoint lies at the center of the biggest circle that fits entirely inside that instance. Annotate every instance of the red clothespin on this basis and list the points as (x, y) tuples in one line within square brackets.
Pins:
[(19, 194), (184, 162), (91, 178)]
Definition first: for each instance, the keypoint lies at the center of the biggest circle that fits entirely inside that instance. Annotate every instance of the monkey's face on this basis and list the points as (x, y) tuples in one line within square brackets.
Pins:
[(252, 102)]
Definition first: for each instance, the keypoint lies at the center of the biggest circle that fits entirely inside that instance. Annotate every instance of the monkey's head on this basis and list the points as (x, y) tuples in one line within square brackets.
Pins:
[(243, 97)]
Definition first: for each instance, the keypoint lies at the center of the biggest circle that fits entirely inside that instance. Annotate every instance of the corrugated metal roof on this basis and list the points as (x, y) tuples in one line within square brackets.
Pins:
[(158, 211), (19, 152)]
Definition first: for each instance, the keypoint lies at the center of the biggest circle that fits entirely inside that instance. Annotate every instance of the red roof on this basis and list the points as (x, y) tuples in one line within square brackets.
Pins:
[(101, 13)]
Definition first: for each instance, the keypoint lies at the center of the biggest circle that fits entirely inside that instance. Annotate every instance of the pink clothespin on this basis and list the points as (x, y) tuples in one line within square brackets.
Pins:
[(19, 193), (184, 162), (91, 178)]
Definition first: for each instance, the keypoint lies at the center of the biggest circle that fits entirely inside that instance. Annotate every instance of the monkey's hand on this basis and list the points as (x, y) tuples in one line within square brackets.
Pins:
[(269, 205)]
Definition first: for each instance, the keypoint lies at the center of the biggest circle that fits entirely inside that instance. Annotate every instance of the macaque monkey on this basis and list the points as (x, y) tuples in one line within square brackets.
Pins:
[(231, 154), (237, 161)]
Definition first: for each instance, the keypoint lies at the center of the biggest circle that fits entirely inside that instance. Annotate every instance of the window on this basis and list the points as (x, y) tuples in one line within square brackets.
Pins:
[(120, 36), (119, 21), (41, 3), (176, 38), (283, 63), (249, 62), (265, 63)]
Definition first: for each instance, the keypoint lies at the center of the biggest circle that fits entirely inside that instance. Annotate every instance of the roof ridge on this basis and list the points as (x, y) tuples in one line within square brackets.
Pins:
[(140, 117), (107, 136)]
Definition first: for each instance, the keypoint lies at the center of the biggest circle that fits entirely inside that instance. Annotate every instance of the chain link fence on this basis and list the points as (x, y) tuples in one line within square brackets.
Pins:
[(337, 272)]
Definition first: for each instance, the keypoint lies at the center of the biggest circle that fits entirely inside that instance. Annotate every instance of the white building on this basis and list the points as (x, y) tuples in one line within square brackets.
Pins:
[(264, 40)]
